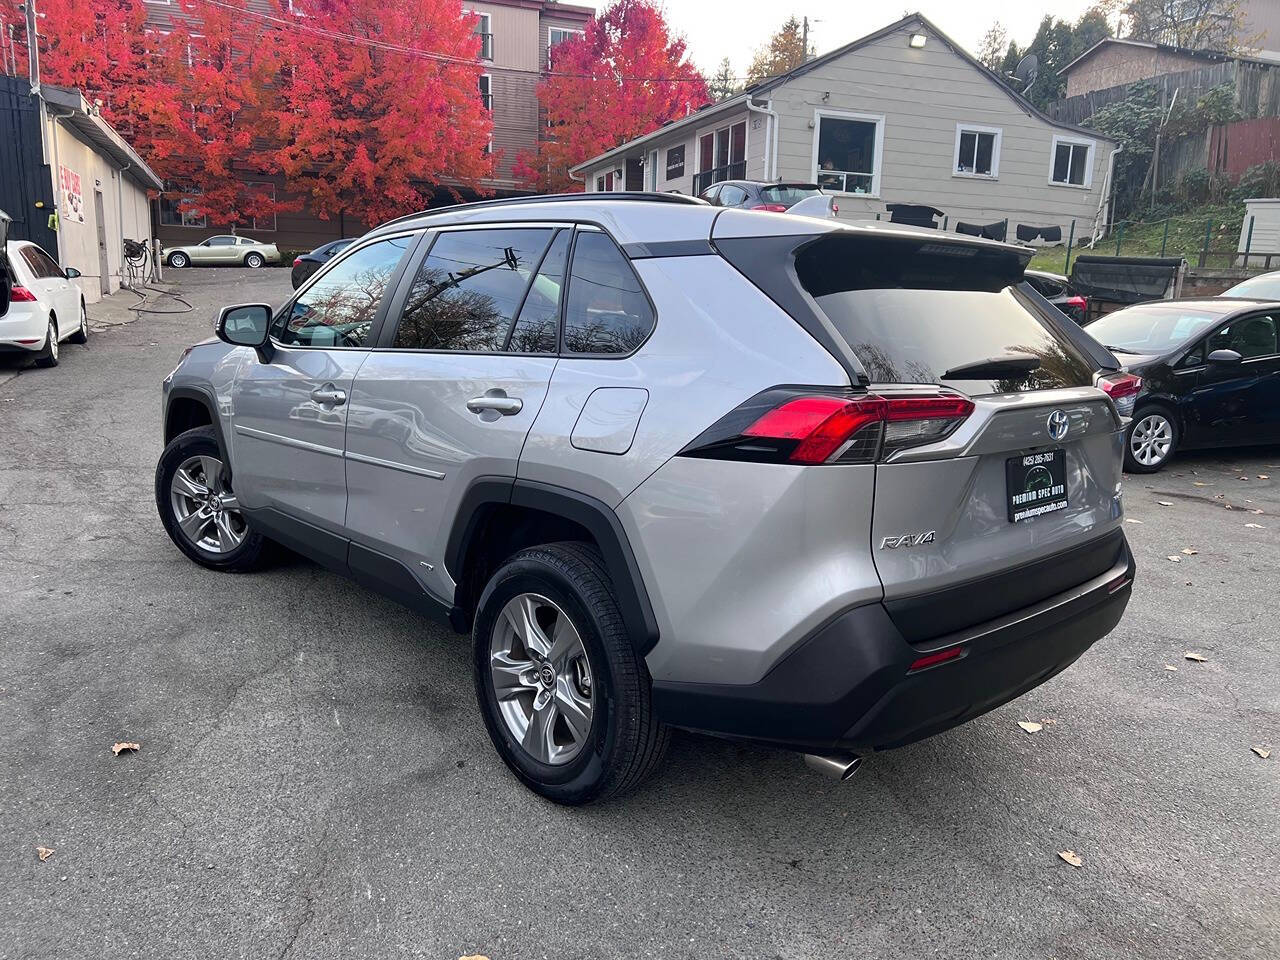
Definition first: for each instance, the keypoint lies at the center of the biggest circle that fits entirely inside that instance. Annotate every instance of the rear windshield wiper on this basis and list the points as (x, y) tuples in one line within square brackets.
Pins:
[(1012, 363), (1118, 349)]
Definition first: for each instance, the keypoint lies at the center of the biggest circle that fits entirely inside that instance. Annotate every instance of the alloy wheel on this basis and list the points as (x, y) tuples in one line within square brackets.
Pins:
[(542, 679), (53, 342), (84, 321), (207, 512), (1151, 440)]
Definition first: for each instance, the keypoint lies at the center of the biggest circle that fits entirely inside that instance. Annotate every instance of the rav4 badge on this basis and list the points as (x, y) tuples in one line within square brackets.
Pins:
[(909, 540)]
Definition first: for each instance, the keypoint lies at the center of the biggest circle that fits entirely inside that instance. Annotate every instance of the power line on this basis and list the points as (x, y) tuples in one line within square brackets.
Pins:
[(421, 54)]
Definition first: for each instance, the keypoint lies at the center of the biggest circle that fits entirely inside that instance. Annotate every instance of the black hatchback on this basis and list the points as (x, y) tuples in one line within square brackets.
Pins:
[(1210, 374), (755, 195), (307, 264)]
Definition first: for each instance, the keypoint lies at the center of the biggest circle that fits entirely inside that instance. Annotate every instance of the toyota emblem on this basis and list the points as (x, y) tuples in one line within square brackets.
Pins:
[(1058, 424)]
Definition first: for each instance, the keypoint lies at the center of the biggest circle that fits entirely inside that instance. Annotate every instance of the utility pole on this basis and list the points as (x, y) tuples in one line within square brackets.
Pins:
[(805, 43), (33, 47)]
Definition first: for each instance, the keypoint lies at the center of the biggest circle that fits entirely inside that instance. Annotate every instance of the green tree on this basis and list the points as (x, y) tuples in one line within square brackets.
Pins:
[(722, 84), (784, 51), (994, 44), (1057, 43)]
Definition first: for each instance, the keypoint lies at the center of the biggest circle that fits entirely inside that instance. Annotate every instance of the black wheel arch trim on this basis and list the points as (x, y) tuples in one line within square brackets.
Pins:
[(203, 396), (593, 515)]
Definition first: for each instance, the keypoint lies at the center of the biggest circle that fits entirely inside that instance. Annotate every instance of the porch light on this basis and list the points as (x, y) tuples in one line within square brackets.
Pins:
[(917, 40)]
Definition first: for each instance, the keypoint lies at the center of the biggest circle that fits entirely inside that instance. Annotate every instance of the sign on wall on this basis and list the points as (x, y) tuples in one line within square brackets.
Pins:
[(675, 162), (72, 207)]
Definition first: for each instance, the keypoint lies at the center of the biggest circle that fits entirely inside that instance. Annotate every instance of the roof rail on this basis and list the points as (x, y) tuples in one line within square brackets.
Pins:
[(646, 196)]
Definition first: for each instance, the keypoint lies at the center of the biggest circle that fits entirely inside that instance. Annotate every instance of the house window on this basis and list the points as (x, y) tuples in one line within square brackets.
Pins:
[(1072, 162), (557, 35), (977, 151), (173, 209), (486, 91), (600, 184), (608, 180), (847, 152), (722, 155), (484, 30)]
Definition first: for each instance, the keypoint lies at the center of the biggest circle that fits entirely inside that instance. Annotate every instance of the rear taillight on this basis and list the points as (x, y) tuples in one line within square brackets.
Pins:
[(21, 295), (933, 659), (772, 208), (1078, 306), (297, 261), (835, 208), (788, 425), (1123, 389)]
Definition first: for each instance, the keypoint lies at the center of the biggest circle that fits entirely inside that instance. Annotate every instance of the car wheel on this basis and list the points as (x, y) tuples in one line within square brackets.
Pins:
[(82, 333), (564, 694), (198, 508), (1151, 440), (49, 355), (253, 261), (179, 260)]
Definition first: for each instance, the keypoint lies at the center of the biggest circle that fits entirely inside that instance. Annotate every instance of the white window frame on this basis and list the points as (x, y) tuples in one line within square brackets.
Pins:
[(484, 25), (877, 169), (1091, 145), (998, 134), (488, 78), (577, 33)]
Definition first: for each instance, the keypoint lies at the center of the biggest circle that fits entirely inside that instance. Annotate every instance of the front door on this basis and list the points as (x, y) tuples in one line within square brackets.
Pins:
[(462, 372), (289, 415), (1238, 402)]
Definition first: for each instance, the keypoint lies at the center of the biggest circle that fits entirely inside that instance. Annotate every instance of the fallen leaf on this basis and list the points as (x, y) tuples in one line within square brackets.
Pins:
[(1194, 657), (1030, 726), (1264, 476), (1229, 506), (1071, 857), (44, 853), (1165, 503), (1175, 558), (473, 956), (1197, 483), (1171, 667), (1258, 750), (1255, 526), (1256, 512), (1189, 552), (1131, 520), (1244, 478), (117, 748)]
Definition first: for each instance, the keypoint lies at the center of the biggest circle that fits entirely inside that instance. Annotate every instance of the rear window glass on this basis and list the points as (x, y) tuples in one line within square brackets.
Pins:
[(911, 310), (1152, 329), (787, 193)]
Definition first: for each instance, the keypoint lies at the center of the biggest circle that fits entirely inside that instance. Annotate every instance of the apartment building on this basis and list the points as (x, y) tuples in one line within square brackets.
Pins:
[(517, 42)]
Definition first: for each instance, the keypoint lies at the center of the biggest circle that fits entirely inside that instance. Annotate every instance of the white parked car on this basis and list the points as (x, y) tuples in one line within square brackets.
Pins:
[(45, 305)]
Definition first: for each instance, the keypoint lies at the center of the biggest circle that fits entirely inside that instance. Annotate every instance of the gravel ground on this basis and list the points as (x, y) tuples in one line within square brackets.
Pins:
[(314, 779)]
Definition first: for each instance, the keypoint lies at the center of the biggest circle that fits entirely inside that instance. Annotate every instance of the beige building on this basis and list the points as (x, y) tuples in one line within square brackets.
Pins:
[(903, 115)]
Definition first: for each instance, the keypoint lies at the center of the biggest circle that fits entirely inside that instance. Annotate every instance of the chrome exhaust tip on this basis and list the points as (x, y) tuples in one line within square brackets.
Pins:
[(837, 766)]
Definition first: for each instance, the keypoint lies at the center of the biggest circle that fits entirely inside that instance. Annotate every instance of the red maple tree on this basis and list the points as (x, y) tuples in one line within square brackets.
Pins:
[(370, 127), (626, 76)]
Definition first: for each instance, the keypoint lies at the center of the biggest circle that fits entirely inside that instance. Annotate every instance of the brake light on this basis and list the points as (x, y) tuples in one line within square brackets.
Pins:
[(835, 208), (21, 295), (297, 260), (1123, 389), (772, 207), (786, 425)]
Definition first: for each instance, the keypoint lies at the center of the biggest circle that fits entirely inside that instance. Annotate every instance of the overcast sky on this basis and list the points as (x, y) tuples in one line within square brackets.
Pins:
[(735, 28)]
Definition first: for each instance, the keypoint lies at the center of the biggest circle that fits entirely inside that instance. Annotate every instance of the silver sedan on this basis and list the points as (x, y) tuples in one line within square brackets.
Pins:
[(225, 251)]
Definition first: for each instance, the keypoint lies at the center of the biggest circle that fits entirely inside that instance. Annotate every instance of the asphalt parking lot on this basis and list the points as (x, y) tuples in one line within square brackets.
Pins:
[(315, 781)]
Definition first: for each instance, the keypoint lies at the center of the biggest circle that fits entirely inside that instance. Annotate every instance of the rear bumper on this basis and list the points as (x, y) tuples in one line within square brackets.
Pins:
[(850, 685), (23, 321)]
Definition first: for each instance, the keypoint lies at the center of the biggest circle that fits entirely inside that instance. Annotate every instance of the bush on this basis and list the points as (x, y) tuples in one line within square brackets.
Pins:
[(1260, 180), (1193, 188)]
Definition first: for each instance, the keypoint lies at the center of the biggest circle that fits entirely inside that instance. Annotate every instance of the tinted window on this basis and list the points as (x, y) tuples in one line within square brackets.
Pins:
[(1251, 337), (469, 288), (41, 266), (1045, 287), (338, 309), (1155, 328), (221, 241), (606, 310), (710, 193), (731, 196), (535, 330), (787, 193), (913, 310)]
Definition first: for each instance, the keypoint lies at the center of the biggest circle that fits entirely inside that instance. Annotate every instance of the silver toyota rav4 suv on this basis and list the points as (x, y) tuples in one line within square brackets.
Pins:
[(831, 487)]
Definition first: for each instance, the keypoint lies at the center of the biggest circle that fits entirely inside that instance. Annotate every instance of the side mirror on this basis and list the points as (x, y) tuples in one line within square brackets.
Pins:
[(71, 272), (1225, 356), (247, 325)]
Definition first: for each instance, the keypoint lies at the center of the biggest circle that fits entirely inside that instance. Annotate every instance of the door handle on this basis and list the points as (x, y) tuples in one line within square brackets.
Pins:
[(495, 401), (329, 394)]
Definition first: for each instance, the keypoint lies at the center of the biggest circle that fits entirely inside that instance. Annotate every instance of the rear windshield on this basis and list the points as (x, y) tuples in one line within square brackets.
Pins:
[(913, 310), (1151, 328), (788, 193)]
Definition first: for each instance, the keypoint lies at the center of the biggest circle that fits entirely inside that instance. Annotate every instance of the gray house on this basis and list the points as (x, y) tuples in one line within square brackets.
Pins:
[(903, 115)]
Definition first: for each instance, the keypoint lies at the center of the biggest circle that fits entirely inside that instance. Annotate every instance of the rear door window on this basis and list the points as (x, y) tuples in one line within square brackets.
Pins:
[(911, 310), (606, 310), (787, 193)]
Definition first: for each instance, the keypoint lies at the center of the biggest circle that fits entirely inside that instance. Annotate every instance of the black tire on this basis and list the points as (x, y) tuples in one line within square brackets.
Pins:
[(254, 260), (179, 260), (201, 441), (1142, 418), (82, 333), (48, 357), (626, 742)]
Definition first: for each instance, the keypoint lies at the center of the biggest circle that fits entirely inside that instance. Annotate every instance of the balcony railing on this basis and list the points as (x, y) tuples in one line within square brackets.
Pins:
[(731, 171), (486, 45)]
